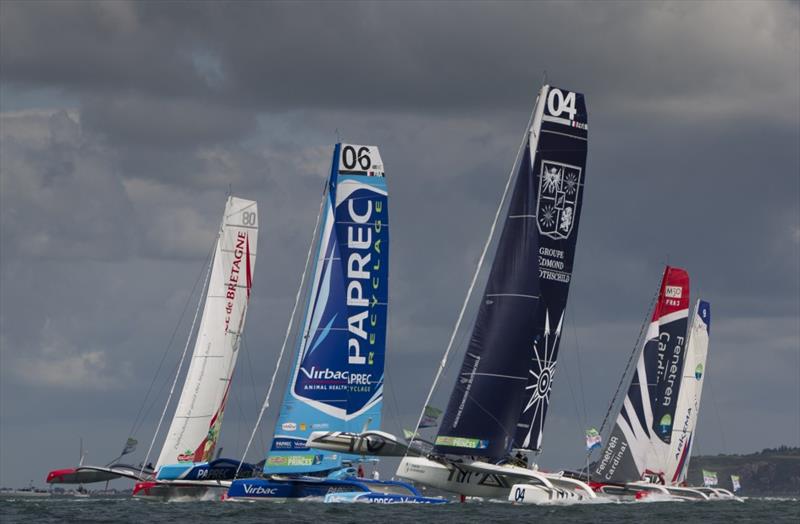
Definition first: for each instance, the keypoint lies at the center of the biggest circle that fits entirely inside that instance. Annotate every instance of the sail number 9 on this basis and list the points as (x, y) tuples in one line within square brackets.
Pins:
[(557, 103), (352, 159)]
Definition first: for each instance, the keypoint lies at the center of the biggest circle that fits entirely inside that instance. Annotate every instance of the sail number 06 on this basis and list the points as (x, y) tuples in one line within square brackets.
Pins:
[(557, 103), (352, 158)]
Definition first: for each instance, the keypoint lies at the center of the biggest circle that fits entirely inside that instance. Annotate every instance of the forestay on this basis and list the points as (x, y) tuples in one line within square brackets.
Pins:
[(503, 388), (336, 382), (195, 428)]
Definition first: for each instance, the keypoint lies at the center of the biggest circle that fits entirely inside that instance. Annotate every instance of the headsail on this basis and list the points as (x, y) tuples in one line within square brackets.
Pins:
[(503, 388), (195, 427), (337, 376), (642, 433), (694, 372)]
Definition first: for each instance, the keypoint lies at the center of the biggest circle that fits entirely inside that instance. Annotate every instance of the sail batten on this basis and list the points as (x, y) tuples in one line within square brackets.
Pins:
[(526, 289)]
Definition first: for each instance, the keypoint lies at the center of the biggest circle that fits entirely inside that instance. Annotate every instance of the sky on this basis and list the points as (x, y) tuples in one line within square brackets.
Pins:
[(124, 124)]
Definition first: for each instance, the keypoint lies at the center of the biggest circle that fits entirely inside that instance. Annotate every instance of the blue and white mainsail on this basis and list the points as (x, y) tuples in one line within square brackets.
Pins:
[(503, 388), (336, 381)]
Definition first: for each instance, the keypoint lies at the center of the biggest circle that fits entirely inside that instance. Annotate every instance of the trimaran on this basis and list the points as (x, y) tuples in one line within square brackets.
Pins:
[(649, 448), (336, 380), (499, 402), (185, 465)]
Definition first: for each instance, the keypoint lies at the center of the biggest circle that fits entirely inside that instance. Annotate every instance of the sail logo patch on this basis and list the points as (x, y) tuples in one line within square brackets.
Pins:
[(559, 187), (673, 291), (540, 382)]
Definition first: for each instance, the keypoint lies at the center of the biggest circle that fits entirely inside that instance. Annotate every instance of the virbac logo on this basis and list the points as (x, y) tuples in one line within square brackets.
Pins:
[(260, 490)]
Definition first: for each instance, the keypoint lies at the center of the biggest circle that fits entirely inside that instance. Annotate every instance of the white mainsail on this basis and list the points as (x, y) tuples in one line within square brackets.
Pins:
[(688, 406), (195, 426)]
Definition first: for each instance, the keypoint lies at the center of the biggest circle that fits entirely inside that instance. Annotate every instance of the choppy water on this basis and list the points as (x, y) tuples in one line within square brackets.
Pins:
[(122, 509)]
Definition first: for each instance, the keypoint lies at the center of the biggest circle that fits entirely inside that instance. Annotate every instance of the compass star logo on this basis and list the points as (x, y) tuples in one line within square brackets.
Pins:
[(540, 381), (559, 187)]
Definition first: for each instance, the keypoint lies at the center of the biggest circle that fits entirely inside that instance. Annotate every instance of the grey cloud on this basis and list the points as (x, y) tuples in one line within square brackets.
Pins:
[(703, 58), (155, 122)]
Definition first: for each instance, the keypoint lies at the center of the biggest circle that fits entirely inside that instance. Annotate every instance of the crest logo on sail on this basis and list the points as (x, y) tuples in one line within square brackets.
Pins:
[(698, 371), (559, 186), (665, 425)]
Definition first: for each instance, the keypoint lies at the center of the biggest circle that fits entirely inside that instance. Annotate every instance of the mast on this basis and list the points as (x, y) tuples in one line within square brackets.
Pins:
[(336, 380), (502, 391), (195, 427), (642, 432)]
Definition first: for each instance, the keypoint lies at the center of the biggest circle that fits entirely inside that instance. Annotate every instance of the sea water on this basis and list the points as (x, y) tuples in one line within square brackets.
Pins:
[(125, 509)]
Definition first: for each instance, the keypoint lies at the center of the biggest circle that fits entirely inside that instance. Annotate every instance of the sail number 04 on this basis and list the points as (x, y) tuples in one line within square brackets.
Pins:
[(352, 158), (557, 103)]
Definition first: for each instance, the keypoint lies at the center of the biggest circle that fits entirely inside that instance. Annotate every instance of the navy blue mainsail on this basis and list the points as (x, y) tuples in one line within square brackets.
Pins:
[(503, 388)]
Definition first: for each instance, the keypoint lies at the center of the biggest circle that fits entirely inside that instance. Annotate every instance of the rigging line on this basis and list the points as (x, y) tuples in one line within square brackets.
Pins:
[(138, 420), (578, 358), (572, 394), (716, 415), (636, 350), (180, 363), (390, 383), (443, 363), (252, 387), (265, 404)]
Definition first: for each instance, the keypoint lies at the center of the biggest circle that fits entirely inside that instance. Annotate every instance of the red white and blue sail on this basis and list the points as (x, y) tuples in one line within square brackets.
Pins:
[(336, 381), (643, 431), (503, 388)]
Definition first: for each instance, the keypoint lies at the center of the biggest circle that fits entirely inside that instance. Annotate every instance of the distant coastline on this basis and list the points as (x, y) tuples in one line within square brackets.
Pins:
[(770, 472)]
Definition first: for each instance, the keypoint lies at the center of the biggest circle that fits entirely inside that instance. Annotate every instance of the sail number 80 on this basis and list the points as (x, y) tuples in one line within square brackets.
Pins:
[(557, 103), (249, 218), (351, 159)]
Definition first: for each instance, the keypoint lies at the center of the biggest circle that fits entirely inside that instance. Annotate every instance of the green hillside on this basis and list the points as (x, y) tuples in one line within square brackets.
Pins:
[(771, 472)]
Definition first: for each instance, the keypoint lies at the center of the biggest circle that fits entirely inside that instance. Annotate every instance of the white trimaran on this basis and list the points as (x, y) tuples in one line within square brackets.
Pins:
[(649, 447), (186, 456)]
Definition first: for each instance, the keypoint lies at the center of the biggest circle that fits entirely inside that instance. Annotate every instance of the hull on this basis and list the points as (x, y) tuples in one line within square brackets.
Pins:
[(90, 474), (220, 469), (170, 491), (278, 489), (449, 477), (648, 491), (381, 498), (534, 494), (506, 482)]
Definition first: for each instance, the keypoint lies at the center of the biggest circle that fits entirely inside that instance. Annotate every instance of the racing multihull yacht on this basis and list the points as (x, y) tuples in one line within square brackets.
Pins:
[(499, 403), (336, 381), (186, 456), (649, 448)]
